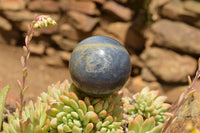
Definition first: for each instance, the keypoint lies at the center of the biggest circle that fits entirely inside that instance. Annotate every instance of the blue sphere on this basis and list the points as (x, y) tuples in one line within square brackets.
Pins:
[(99, 66)]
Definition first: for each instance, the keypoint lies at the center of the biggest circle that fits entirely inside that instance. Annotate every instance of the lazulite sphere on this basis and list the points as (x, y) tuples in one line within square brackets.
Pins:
[(99, 66)]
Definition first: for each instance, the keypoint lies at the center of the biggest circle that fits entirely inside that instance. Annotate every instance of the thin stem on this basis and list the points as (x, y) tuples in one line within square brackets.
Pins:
[(38, 22), (181, 101), (22, 102)]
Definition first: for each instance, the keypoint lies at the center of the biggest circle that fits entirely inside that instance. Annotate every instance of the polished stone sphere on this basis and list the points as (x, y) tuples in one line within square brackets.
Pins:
[(99, 66)]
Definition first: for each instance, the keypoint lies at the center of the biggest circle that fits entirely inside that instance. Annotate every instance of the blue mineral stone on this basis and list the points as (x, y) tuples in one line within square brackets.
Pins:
[(99, 66)]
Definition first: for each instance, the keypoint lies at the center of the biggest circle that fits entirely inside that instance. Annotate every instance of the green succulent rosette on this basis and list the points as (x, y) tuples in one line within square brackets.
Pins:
[(147, 104), (139, 125), (70, 111), (34, 118)]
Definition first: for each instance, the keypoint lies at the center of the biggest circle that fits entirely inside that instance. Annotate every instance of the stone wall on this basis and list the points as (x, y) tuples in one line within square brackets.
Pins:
[(162, 55)]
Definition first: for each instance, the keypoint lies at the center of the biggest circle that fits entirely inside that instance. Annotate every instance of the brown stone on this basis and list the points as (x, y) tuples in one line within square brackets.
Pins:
[(193, 6), (70, 32), (65, 44), (154, 8), (197, 23), (19, 15), (147, 75), (9, 37), (177, 36), (169, 66), (136, 84), (23, 25), (173, 92), (99, 1), (65, 56), (25, 15), (136, 61), (86, 7), (43, 6), (127, 35), (53, 58), (5, 24), (12, 4), (100, 32), (37, 49), (54, 61), (105, 21), (123, 1), (81, 21), (175, 10), (50, 51), (123, 13)]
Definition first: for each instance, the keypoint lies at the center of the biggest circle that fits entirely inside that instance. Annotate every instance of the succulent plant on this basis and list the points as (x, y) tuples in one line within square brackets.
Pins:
[(138, 125), (3, 96), (34, 118), (70, 111), (147, 104), (54, 92)]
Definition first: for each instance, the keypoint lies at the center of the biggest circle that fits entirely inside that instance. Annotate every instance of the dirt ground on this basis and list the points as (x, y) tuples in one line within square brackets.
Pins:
[(40, 75)]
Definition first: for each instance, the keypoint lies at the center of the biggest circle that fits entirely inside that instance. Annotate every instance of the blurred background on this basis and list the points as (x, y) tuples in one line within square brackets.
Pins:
[(161, 36)]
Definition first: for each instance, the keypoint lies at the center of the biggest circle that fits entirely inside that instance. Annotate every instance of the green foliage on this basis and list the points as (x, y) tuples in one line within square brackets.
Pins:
[(138, 125), (3, 96), (147, 104), (34, 119), (70, 112), (63, 109)]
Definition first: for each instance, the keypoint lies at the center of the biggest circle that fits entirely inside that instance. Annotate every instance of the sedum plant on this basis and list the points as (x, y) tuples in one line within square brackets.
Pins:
[(138, 125), (34, 118), (147, 104), (70, 112), (3, 95)]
